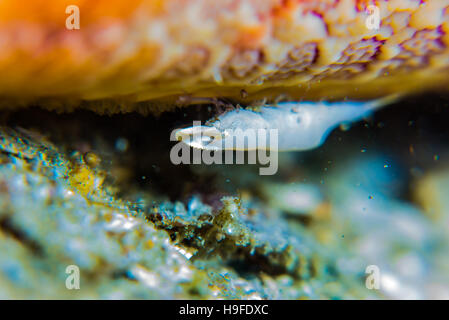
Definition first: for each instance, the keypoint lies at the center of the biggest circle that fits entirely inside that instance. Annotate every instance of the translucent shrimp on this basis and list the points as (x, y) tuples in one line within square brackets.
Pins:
[(299, 125)]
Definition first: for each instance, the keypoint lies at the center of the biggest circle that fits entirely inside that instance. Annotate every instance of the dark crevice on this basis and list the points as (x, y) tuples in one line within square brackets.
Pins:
[(8, 227)]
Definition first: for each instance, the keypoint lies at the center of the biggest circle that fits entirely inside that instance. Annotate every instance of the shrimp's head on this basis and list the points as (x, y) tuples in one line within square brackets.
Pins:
[(202, 137), (224, 132)]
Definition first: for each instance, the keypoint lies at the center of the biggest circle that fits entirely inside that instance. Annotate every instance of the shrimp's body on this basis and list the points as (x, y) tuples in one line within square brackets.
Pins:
[(299, 125)]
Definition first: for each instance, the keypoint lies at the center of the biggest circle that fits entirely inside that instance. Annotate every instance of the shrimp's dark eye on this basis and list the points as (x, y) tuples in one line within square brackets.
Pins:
[(205, 140), (236, 124)]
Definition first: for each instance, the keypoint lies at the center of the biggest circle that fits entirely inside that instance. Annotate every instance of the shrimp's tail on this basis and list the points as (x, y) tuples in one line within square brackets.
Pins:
[(384, 101)]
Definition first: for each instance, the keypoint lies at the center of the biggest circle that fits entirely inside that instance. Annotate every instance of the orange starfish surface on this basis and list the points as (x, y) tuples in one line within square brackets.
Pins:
[(138, 50)]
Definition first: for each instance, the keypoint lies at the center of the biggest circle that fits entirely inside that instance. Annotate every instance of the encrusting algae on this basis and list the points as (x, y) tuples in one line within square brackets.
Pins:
[(50, 220), (63, 205)]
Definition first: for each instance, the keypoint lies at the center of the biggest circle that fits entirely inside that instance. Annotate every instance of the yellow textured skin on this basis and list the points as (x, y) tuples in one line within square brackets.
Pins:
[(171, 50)]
